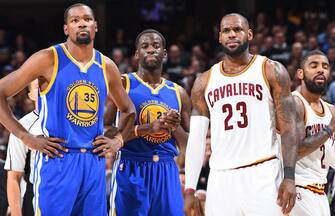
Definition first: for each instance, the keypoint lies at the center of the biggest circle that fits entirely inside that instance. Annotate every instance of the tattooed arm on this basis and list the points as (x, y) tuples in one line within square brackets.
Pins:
[(280, 83), (309, 144)]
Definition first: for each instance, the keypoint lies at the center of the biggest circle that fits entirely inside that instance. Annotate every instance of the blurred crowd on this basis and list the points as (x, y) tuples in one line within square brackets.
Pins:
[(284, 38)]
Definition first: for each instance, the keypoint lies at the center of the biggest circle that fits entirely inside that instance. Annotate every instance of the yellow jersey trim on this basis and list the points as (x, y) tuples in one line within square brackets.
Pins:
[(153, 90), (82, 68), (38, 213), (97, 63), (104, 71), (178, 95), (54, 73), (127, 87)]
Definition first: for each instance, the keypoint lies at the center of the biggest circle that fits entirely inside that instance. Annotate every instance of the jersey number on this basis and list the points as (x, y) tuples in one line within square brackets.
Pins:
[(89, 97), (241, 108), (322, 148)]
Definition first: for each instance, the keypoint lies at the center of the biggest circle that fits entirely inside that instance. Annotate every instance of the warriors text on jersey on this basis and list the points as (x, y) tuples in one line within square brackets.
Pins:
[(72, 105), (150, 104)]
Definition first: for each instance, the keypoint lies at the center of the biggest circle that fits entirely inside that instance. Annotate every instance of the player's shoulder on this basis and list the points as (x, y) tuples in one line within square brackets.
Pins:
[(272, 66), (47, 52), (204, 77)]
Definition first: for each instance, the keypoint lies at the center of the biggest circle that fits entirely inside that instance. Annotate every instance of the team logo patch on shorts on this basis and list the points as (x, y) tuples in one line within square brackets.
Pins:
[(151, 111), (82, 102)]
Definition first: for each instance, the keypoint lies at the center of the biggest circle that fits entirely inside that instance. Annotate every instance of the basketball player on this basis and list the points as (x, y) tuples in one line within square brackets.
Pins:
[(20, 162), (243, 97), (316, 125), (74, 81), (147, 177)]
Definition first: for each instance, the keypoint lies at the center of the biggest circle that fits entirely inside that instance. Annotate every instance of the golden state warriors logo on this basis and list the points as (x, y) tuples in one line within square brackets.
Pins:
[(150, 112), (82, 102)]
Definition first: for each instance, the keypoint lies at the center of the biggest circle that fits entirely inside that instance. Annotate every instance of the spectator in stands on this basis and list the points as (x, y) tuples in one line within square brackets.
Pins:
[(175, 64), (118, 58)]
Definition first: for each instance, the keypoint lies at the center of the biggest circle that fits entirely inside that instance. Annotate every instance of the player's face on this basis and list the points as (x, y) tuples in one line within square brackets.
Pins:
[(316, 73), (150, 51), (234, 35), (33, 91), (80, 26)]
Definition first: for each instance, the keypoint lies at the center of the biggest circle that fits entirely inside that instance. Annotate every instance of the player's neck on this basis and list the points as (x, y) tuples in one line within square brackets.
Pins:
[(234, 64), (309, 96), (82, 53), (150, 77)]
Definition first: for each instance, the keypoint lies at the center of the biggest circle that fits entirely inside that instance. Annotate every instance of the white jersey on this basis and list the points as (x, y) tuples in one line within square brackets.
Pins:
[(17, 151), (313, 168), (242, 115)]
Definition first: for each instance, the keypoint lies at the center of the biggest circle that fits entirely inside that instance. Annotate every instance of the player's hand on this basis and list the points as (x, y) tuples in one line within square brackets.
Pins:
[(286, 195), (159, 126), (192, 205), (171, 119), (103, 145), (46, 145)]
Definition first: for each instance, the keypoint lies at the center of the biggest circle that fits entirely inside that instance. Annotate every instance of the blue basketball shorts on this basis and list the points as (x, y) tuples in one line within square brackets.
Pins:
[(73, 185), (148, 184)]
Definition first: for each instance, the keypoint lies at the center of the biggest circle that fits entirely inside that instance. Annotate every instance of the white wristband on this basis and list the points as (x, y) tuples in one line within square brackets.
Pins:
[(195, 150)]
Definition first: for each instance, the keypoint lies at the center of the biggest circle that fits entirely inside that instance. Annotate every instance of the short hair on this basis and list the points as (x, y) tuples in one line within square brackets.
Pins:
[(236, 14), (150, 31), (66, 13), (309, 54)]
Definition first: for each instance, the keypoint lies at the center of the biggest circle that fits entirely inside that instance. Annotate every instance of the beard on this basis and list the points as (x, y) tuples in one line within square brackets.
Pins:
[(152, 66), (238, 51), (83, 40), (314, 87)]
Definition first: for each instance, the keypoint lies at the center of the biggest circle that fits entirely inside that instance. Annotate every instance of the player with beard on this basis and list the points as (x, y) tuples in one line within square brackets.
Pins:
[(243, 97), (315, 125), (147, 176), (74, 81)]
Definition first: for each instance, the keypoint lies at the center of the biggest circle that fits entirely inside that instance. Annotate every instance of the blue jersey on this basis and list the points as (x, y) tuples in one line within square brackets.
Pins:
[(72, 105), (150, 104)]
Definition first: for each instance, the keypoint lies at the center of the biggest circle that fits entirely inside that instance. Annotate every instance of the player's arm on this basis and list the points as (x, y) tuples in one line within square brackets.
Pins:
[(14, 191), (329, 158), (280, 84), (309, 144), (119, 97), (181, 133), (39, 65), (196, 144), (15, 163)]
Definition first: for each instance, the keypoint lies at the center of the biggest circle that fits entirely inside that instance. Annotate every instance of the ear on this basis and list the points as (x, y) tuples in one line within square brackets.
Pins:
[(65, 30), (219, 37), (250, 35), (165, 53), (300, 74), (95, 26), (136, 54)]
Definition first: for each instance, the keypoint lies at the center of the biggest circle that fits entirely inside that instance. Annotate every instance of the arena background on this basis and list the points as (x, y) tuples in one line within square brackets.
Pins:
[(283, 30)]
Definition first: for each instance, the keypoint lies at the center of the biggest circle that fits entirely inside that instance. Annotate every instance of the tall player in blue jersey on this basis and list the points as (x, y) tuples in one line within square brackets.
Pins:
[(147, 176), (74, 81)]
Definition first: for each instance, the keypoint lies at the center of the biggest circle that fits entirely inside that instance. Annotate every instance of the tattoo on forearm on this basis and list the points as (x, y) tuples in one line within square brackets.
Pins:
[(286, 114)]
